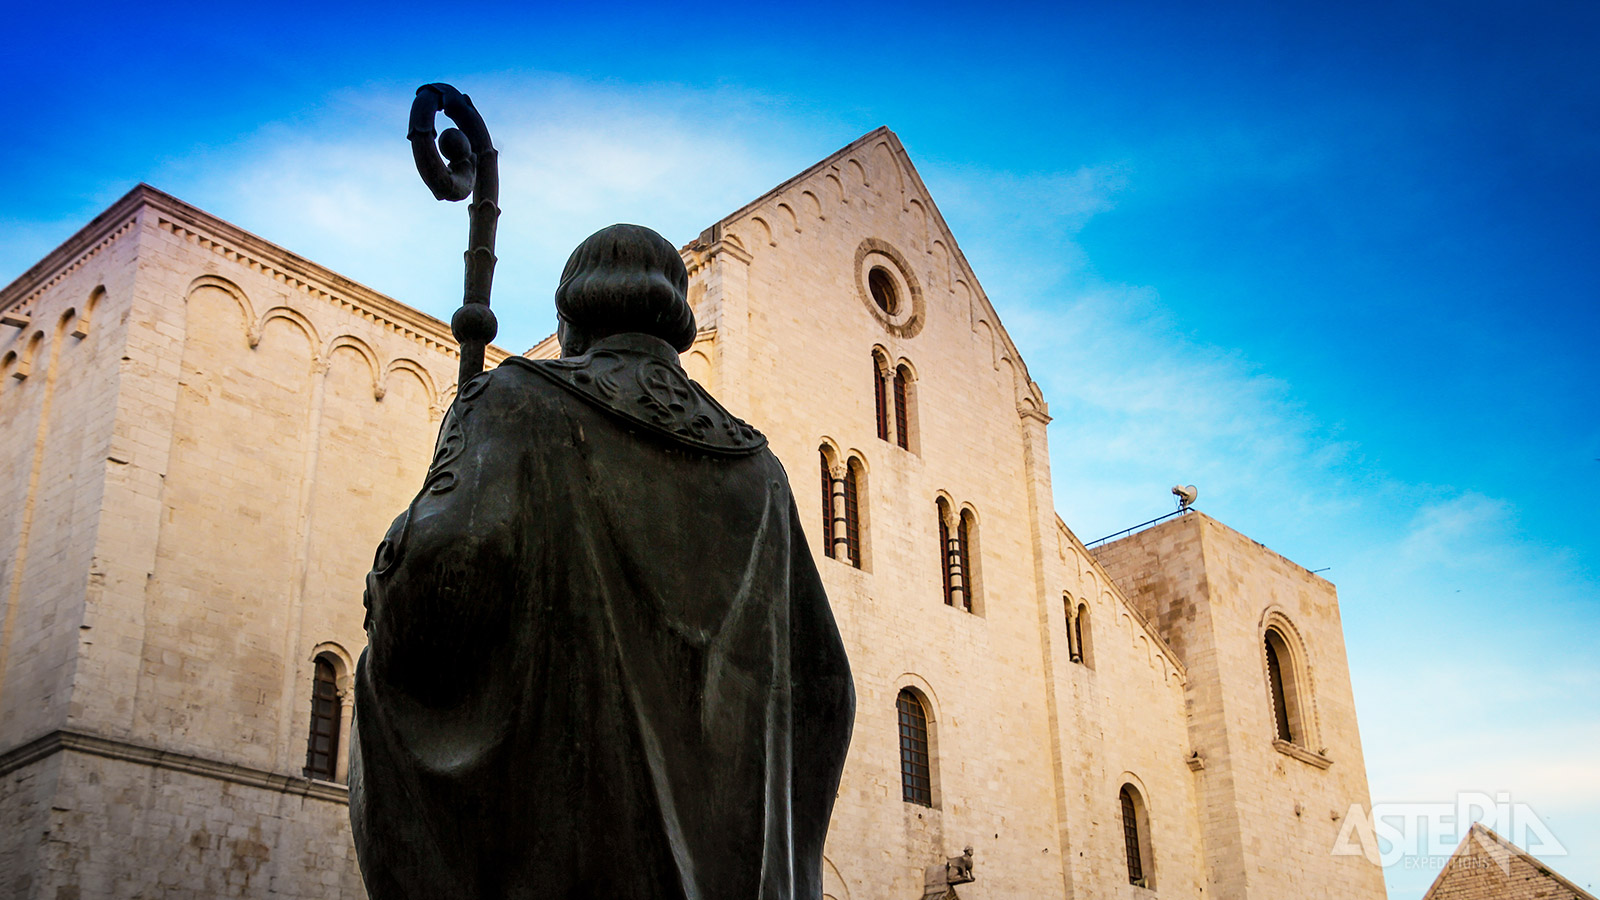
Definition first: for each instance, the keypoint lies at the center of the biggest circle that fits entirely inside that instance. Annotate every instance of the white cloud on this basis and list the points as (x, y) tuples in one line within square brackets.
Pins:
[(340, 187)]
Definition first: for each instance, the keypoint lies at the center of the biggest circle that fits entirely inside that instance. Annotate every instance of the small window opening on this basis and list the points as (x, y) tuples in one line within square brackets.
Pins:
[(902, 420), (966, 533), (852, 512), (1133, 839), (827, 504), (883, 292), (879, 394)]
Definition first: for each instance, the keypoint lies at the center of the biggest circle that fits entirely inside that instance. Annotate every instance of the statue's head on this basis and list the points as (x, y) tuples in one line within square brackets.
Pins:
[(624, 279)]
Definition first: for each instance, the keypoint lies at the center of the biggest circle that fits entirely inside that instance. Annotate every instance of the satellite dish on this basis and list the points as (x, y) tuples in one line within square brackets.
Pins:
[(1185, 495)]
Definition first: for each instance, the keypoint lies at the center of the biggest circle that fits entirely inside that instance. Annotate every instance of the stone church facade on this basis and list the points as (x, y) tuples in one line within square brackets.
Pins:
[(204, 437)]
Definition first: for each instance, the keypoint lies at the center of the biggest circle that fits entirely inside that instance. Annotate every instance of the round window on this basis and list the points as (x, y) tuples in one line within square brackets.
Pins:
[(882, 287), (888, 288)]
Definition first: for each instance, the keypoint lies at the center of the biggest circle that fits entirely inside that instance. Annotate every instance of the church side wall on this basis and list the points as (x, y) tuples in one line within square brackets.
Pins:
[(267, 468), (58, 390), (1123, 723), (266, 433)]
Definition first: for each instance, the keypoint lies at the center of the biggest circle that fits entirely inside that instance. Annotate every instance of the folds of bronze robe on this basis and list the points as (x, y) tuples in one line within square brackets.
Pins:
[(600, 662)]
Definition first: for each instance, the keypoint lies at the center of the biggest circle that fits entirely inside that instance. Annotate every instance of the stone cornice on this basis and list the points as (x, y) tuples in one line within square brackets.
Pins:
[(236, 245), (125, 751), (67, 258)]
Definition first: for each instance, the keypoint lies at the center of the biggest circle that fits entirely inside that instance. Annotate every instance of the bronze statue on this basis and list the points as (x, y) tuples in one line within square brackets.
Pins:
[(600, 662)]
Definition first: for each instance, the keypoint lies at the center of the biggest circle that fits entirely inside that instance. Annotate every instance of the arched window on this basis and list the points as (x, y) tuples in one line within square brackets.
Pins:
[(967, 547), (1287, 716), (827, 502), (949, 558), (958, 555), (1074, 651), (916, 772), (902, 408), (880, 368), (322, 746), (852, 512), (1136, 838), (1085, 638)]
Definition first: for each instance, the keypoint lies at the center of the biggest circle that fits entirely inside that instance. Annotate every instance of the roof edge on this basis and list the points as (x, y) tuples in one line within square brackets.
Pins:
[(289, 263)]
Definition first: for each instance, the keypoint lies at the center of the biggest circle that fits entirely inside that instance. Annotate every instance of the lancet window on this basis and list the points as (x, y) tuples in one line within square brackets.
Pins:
[(894, 401), (1135, 836), (958, 555), (322, 745), (1288, 707), (843, 502), (916, 764)]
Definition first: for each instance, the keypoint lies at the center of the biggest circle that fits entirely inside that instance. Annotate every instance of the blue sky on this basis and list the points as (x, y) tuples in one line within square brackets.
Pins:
[(1337, 267)]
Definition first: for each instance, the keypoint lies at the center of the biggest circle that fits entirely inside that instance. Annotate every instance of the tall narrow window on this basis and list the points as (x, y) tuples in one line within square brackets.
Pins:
[(323, 744), (966, 533), (946, 564), (1074, 648), (852, 511), (827, 503), (1085, 638), (880, 396), (1276, 670), (902, 425), (1133, 840), (916, 774)]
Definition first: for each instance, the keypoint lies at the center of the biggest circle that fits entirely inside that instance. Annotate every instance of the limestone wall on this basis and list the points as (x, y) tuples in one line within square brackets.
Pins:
[(1270, 810), (58, 388), (1031, 749)]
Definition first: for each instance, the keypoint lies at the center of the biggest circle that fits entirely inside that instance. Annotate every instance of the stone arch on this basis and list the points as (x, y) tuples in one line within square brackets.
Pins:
[(698, 366), (239, 297), (963, 292), (29, 356), (838, 185), (943, 256), (764, 230), (362, 349), (1278, 636), (919, 215), (80, 329), (860, 171), (416, 370), (814, 206), (788, 213), (294, 317), (343, 663), (883, 157)]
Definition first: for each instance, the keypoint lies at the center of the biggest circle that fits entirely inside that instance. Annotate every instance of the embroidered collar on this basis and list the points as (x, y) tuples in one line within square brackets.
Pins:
[(638, 378)]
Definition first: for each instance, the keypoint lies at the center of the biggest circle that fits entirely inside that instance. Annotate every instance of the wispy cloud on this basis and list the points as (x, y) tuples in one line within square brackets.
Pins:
[(575, 157)]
